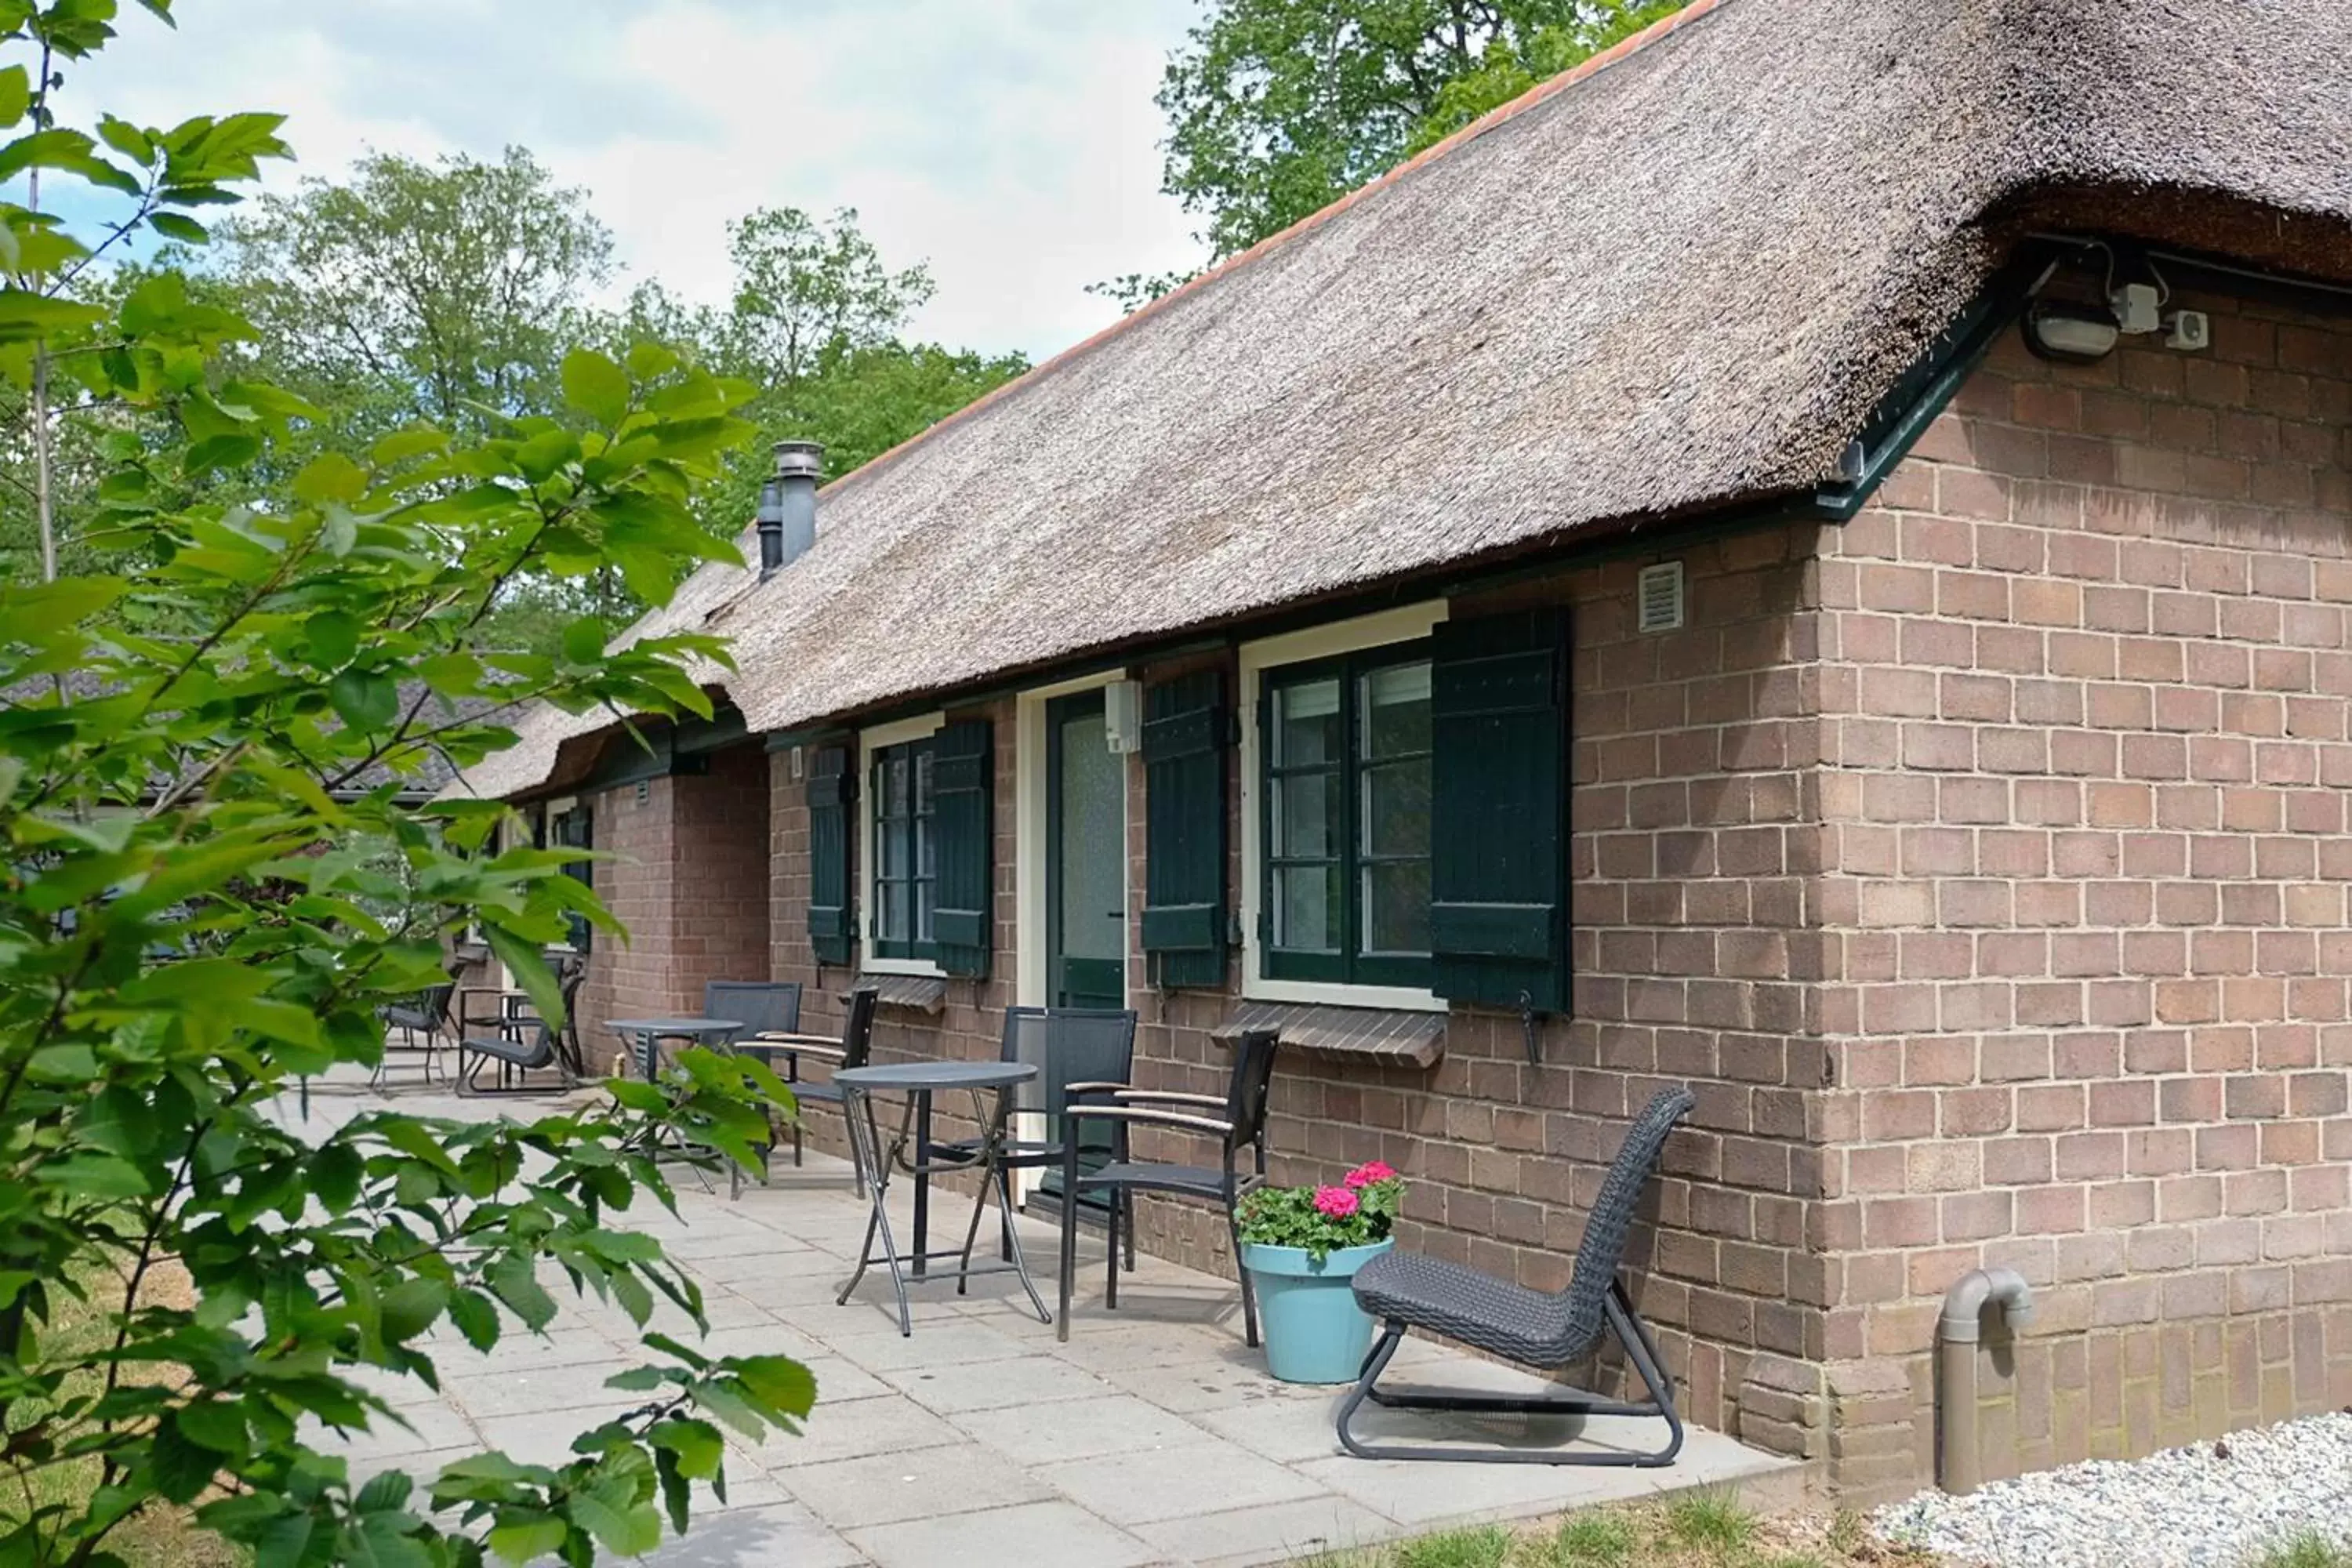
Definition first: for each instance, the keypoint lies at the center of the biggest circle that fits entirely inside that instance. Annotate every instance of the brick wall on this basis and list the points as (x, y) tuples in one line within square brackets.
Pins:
[(1690, 848), (2085, 694), (690, 883)]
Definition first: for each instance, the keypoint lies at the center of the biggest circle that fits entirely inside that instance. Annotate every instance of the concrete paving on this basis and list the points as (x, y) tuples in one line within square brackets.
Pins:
[(1153, 1437)]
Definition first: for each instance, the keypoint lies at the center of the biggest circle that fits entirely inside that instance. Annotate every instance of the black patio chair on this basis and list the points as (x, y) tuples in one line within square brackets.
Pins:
[(1534, 1329), (524, 1044), (764, 1007), (1076, 1050), (1235, 1119), (856, 1045), (422, 1021)]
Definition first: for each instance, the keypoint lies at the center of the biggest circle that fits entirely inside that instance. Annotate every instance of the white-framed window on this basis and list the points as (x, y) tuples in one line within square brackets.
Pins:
[(898, 847), (1336, 828)]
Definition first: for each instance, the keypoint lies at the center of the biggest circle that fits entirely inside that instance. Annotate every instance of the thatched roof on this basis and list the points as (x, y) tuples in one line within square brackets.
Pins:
[(1680, 276)]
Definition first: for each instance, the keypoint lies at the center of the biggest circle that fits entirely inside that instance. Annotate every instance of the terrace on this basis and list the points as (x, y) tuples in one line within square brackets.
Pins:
[(1152, 1436)]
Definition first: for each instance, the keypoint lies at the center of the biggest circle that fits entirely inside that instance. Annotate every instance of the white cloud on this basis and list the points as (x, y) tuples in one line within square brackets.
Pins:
[(1013, 145)]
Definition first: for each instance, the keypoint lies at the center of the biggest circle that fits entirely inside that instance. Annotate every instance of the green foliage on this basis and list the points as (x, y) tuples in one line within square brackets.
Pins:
[(1277, 108), (815, 324), (2310, 1550), (1486, 1548), (1322, 1220), (208, 890), (1596, 1540), (1710, 1518)]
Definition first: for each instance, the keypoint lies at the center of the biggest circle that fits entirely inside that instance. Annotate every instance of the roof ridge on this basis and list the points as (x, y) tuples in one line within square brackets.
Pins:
[(1493, 119)]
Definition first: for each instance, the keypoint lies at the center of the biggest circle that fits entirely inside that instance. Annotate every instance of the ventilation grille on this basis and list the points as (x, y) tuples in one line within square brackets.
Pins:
[(1659, 592)]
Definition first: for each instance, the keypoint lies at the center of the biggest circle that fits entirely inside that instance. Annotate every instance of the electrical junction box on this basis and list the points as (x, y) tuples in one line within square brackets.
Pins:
[(2188, 331), (2138, 307)]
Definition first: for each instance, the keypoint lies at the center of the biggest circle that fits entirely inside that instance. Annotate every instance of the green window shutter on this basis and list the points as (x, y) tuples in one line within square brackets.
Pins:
[(961, 800), (1186, 726), (1498, 868), (831, 789)]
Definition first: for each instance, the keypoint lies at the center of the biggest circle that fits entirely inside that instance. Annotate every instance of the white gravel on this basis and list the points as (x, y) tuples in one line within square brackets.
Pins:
[(2205, 1506)]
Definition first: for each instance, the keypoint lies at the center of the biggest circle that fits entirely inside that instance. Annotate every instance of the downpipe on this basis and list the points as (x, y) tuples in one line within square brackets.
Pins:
[(1958, 1329)]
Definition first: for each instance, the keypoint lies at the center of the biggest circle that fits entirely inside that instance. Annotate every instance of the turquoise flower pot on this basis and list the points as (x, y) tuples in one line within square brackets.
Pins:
[(1314, 1331)]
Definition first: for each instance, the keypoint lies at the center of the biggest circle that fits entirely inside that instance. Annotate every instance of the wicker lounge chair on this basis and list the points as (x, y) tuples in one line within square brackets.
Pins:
[(1534, 1329)]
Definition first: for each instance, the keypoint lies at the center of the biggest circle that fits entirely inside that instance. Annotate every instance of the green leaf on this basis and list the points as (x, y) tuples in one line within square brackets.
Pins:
[(475, 1319), (183, 1469), (335, 1173), (15, 95), (40, 149), (126, 139), (410, 1307), (512, 1280), (367, 700), (520, 1538), (285, 1544), (777, 1381), (384, 1491), (334, 637), (179, 226), (330, 476), (213, 1425), (95, 1176), (597, 386), (583, 641), (623, 1532)]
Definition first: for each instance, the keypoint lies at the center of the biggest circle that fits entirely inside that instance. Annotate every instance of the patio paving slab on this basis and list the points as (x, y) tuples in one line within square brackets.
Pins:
[(1153, 1435), (1036, 1535)]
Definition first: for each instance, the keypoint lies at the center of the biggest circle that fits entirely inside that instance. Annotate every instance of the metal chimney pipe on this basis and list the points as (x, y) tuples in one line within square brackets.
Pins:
[(771, 516), (798, 466)]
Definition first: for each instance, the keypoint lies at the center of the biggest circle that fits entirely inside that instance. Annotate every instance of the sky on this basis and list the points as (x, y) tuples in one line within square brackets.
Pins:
[(1011, 144)]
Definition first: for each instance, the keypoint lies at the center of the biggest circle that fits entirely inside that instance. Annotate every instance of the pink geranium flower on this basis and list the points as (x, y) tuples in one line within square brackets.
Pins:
[(1370, 1173), (1336, 1201)]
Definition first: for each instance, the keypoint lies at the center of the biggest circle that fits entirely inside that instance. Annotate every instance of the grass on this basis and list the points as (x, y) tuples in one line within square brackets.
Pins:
[(1696, 1529), (158, 1536), (2312, 1550)]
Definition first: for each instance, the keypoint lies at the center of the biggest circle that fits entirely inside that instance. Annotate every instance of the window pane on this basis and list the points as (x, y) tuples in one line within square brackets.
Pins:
[(1306, 810), (925, 899), (890, 846), (1306, 903), (923, 764), (1396, 710), (894, 784), (891, 912), (1396, 908), (927, 848), (1307, 723), (1396, 808)]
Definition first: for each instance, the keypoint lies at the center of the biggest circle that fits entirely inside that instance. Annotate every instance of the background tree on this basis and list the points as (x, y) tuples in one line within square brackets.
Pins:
[(407, 291), (201, 898), (1277, 108), (816, 325)]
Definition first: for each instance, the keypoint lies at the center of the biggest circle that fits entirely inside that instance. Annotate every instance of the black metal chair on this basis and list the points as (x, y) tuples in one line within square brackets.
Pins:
[(523, 1044), (856, 1045), (1076, 1050), (1235, 1119), (1539, 1330), (764, 1007), (422, 1021)]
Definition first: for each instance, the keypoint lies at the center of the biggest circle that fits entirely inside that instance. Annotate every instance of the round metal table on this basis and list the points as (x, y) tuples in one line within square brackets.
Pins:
[(918, 1081), (649, 1032)]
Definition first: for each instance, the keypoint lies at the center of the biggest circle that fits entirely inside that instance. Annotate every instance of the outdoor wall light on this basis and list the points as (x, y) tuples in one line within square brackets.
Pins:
[(2072, 333)]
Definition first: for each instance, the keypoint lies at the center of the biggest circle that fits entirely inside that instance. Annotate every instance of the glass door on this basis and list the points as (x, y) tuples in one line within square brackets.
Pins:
[(1086, 858)]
